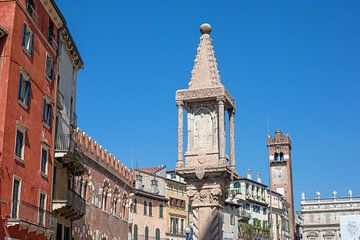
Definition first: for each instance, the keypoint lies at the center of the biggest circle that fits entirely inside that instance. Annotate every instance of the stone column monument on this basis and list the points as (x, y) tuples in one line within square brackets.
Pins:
[(206, 169)]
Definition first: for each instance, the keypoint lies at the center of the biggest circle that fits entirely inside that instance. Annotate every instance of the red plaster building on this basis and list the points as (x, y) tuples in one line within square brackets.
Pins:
[(28, 75), (107, 189)]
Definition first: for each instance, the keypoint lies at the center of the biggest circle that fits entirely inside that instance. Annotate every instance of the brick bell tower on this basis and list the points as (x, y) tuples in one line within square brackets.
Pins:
[(279, 148), (207, 169)]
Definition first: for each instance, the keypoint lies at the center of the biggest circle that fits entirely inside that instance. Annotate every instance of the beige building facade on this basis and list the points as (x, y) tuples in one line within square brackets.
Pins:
[(177, 211), (149, 204), (254, 211), (321, 216)]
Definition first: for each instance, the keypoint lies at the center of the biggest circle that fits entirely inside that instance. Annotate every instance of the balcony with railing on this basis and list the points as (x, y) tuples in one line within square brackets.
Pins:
[(175, 232), (66, 154), (244, 216), (32, 218), (68, 203)]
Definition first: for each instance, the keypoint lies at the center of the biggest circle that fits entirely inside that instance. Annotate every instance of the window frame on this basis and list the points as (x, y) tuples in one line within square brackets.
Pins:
[(24, 89), (136, 231), (26, 30), (50, 78), (46, 148), (145, 208), (150, 209), (47, 114), (161, 211), (42, 210), (21, 129), (18, 197)]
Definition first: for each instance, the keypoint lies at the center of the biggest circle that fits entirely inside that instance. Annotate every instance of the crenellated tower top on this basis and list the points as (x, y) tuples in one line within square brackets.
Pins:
[(96, 152), (279, 138)]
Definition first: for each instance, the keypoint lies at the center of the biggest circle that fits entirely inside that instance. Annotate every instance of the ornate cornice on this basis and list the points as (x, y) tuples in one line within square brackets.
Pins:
[(70, 45), (54, 12)]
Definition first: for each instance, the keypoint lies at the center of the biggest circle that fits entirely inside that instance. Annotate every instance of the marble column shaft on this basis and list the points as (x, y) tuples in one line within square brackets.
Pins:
[(221, 130), (232, 138), (180, 134)]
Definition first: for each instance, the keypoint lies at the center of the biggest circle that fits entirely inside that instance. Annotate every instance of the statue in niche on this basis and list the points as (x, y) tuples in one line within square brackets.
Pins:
[(203, 130)]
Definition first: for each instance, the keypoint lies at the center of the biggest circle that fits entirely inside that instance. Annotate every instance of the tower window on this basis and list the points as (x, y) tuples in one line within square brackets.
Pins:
[(281, 156)]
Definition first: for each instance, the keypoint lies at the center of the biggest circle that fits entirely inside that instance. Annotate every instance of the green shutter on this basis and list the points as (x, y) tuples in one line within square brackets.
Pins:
[(43, 112), (27, 93), (23, 35), (20, 97)]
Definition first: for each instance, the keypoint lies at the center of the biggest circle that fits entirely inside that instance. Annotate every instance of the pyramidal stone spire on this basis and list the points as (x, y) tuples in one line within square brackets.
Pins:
[(205, 72)]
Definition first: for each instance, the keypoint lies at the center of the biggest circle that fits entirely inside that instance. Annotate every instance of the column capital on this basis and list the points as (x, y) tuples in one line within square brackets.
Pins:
[(231, 111), (220, 100), (180, 103)]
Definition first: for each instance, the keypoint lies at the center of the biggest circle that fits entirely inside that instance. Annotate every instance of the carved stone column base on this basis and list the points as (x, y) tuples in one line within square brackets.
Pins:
[(207, 223), (179, 164)]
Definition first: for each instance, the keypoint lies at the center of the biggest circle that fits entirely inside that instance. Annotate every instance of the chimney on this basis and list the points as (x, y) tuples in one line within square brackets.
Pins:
[(249, 175), (258, 177)]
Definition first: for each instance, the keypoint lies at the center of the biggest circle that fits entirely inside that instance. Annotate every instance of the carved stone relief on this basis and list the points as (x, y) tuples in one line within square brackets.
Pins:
[(202, 128)]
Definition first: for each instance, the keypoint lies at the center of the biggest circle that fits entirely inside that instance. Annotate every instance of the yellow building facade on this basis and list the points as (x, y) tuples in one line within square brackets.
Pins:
[(177, 210)]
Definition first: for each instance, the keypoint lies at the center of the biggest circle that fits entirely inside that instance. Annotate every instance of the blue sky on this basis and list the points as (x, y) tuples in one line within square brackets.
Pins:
[(294, 62)]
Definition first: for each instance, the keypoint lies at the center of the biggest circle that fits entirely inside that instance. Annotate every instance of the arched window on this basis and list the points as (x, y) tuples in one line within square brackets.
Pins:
[(281, 156), (134, 206), (103, 200), (146, 233), (150, 209), (157, 234), (161, 211), (277, 157), (145, 207), (135, 232)]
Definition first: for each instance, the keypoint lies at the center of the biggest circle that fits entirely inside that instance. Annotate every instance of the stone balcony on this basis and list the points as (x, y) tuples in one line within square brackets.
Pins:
[(68, 204), (175, 233), (66, 154), (244, 216)]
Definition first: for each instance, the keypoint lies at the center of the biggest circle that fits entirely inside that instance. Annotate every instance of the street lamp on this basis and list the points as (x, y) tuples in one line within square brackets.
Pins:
[(189, 233)]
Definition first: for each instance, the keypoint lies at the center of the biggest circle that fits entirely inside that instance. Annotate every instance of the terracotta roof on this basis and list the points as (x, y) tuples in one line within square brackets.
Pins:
[(152, 170)]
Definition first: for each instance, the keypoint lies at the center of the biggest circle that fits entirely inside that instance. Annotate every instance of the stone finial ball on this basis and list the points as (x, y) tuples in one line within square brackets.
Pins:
[(205, 28)]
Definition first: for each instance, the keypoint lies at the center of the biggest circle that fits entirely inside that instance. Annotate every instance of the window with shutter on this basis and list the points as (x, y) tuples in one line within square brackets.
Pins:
[(19, 144), (24, 89), (49, 67), (15, 198), (47, 112), (44, 160), (27, 40)]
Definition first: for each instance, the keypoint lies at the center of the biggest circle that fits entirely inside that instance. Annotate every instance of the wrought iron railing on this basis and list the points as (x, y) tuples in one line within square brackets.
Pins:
[(175, 232), (70, 198), (31, 214), (64, 142)]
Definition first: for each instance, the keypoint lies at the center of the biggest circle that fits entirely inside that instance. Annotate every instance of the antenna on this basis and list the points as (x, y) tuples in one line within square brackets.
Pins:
[(270, 187), (268, 125), (131, 158)]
